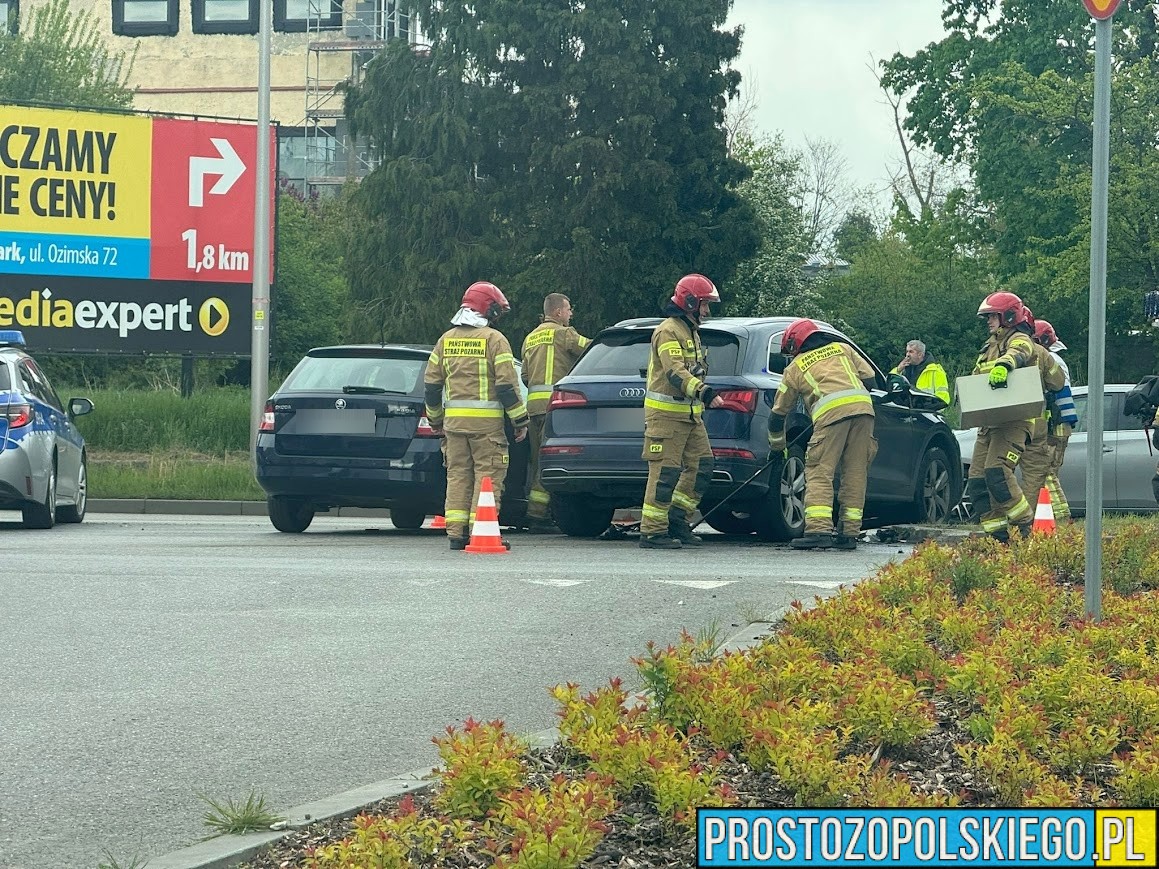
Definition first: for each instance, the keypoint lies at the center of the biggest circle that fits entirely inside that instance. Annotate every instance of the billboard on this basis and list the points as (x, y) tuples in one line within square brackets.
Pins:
[(127, 233)]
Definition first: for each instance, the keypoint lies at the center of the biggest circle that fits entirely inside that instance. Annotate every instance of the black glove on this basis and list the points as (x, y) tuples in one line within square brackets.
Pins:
[(707, 394)]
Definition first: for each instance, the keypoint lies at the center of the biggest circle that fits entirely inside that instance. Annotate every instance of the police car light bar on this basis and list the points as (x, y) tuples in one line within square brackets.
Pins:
[(11, 338)]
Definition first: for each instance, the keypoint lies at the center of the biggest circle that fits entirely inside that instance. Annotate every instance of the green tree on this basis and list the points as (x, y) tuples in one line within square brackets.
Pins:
[(855, 231), (771, 281), (310, 294), (62, 59), (549, 147)]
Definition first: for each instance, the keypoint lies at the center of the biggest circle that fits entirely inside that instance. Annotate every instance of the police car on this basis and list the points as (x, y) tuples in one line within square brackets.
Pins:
[(42, 453)]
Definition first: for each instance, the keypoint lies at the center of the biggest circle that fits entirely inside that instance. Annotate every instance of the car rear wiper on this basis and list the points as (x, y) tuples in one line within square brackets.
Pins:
[(371, 390)]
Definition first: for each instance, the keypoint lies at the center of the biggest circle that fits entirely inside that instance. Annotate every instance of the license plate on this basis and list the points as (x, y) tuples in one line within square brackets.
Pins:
[(356, 422)]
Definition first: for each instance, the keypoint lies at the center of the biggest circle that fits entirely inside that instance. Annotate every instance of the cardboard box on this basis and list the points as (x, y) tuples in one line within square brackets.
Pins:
[(982, 406)]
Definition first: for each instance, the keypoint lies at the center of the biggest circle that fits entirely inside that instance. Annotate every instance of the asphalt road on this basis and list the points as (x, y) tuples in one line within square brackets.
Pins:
[(147, 659)]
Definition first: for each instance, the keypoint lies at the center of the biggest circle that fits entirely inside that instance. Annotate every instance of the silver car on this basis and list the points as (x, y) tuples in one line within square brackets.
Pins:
[(43, 469), (1128, 459)]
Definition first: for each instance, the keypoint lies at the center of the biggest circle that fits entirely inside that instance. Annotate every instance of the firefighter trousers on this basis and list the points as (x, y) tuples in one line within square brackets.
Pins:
[(680, 463), (471, 456), (994, 491), (846, 446), (1036, 466), (1058, 441), (538, 500)]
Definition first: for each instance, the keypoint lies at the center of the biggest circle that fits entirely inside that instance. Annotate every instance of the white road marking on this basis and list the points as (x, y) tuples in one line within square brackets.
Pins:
[(820, 583), (558, 583), (697, 583)]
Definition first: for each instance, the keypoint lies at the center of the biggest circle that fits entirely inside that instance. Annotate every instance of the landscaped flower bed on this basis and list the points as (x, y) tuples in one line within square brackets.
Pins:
[(962, 676)]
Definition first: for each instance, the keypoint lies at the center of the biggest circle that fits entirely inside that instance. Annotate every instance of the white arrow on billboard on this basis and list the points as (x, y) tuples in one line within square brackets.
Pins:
[(228, 166)]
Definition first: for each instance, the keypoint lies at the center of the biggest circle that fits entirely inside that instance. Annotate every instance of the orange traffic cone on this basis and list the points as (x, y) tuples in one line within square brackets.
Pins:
[(1043, 514), (439, 522), (485, 536)]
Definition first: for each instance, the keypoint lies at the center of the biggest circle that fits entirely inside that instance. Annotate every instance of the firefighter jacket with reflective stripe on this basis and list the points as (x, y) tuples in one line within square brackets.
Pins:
[(471, 381), (830, 381), (677, 368), (550, 351), (1010, 347), (928, 377), (1053, 380)]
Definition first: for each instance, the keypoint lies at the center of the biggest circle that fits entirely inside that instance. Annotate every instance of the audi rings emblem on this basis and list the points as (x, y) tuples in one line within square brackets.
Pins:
[(632, 392), (340, 404)]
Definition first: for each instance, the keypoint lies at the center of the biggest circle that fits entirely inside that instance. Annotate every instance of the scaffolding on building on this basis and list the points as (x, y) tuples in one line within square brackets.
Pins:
[(343, 37)]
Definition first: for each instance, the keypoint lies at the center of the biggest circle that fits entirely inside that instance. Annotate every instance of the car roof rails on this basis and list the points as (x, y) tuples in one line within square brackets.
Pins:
[(12, 338)]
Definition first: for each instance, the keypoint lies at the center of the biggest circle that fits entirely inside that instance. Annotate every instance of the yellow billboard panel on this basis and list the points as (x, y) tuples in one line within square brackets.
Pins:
[(65, 172)]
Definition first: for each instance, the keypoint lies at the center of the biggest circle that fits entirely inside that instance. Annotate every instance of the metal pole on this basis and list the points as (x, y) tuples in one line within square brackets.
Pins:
[(260, 336), (1096, 346)]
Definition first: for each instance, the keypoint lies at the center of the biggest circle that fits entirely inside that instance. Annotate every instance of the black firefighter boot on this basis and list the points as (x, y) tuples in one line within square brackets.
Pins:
[(658, 541), (813, 540), (679, 529)]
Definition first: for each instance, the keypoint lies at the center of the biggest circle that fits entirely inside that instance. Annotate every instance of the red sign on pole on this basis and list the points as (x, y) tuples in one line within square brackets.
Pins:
[(1101, 9)]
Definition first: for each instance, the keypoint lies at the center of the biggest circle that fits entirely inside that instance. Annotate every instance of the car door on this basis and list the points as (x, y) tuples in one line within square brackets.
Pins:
[(1134, 462), (67, 437), (1073, 473)]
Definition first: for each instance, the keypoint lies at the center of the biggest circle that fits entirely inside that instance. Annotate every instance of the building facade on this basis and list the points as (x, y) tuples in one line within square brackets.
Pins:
[(200, 58)]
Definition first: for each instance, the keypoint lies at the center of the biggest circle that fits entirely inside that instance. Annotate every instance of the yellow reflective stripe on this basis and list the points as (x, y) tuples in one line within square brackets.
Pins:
[(840, 399), (654, 512), (484, 381), (992, 525), (850, 370), (691, 387), (1020, 509), (538, 394), (433, 359), (504, 357), (674, 406), (549, 372), (825, 512), (852, 513), (668, 345), (538, 496), (682, 500), (583, 342), (517, 411), (475, 412), (456, 516)]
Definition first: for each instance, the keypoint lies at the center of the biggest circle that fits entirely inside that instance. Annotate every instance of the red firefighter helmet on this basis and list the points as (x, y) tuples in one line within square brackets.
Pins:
[(1007, 305), (1027, 318), (691, 290), (796, 334), (1044, 333), (483, 297)]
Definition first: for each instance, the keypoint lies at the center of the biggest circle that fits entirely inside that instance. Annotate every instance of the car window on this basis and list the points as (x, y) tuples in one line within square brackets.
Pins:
[(5, 377), (1112, 413), (44, 386), (391, 373), (621, 353)]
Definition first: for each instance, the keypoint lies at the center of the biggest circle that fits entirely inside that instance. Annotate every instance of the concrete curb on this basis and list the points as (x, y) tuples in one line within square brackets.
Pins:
[(164, 506)]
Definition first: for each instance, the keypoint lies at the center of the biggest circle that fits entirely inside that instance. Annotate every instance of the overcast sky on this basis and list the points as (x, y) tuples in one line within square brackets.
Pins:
[(809, 60)]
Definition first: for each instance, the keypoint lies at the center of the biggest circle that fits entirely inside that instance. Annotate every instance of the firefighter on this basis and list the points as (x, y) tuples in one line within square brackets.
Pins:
[(1036, 456), (992, 486), (834, 381), (676, 444), (550, 352), (920, 369), (473, 368), (1043, 457)]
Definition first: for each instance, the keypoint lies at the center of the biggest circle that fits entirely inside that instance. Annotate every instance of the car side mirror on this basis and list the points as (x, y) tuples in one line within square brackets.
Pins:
[(79, 406), (777, 363), (897, 385)]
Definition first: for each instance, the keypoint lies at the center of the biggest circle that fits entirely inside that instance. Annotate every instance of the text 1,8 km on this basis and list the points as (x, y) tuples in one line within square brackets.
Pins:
[(213, 257)]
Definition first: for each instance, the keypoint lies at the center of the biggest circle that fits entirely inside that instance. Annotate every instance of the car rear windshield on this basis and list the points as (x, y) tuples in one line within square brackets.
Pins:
[(5, 377), (396, 374), (626, 352)]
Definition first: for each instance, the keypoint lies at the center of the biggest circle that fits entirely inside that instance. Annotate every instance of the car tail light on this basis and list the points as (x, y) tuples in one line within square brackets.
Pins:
[(425, 429), (730, 453), (18, 415), (740, 400), (564, 398), (560, 451), (267, 423)]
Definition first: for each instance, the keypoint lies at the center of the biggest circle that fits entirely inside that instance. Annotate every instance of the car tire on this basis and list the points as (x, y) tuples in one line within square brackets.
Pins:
[(727, 522), (43, 516), (407, 519), (291, 515), (74, 513), (934, 496), (782, 515), (580, 516)]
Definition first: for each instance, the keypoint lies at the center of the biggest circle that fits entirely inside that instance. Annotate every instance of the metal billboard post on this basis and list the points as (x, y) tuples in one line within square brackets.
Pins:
[(1096, 346), (260, 336)]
